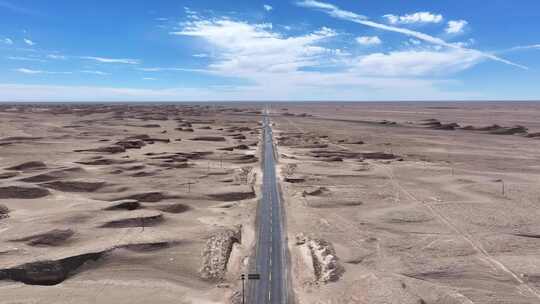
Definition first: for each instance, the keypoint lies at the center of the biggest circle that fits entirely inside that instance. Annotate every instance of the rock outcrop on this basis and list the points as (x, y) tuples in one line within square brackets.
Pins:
[(216, 253)]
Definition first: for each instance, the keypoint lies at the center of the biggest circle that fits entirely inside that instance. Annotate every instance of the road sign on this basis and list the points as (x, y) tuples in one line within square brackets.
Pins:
[(254, 276)]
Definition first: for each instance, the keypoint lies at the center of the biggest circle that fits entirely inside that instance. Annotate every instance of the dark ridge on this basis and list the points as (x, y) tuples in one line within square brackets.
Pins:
[(144, 221), (74, 186), (173, 208), (124, 205), (148, 197), (48, 272), (54, 237), (22, 192), (31, 165), (8, 175)]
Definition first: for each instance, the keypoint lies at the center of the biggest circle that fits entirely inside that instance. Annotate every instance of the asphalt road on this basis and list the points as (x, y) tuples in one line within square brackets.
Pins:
[(270, 255)]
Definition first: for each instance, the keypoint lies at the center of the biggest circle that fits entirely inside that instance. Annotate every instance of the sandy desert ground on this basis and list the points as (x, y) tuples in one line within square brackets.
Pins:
[(126, 203), (404, 203), (385, 202)]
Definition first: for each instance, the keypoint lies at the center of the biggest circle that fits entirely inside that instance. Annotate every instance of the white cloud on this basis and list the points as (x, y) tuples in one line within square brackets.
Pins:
[(267, 7), (149, 78), (369, 40), (170, 69), (456, 26), (29, 42), (112, 60), (335, 11), (418, 17), (54, 56), (417, 63), (415, 41), (161, 19), (526, 47), (95, 72), (34, 72), (8, 41), (20, 58), (202, 55), (253, 48)]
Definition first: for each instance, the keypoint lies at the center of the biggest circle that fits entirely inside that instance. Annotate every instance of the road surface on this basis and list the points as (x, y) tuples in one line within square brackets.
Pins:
[(270, 254)]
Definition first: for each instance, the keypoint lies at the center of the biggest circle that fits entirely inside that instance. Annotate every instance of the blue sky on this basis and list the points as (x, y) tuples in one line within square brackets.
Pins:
[(178, 50)]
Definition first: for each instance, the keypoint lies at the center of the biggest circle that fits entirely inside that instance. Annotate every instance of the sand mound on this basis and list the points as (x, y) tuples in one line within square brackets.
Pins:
[(48, 272), (113, 149), (54, 237), (208, 138), (315, 192), (4, 211), (131, 144), (148, 197), (378, 155), (128, 204), (103, 161), (8, 175), (149, 247), (233, 194), (75, 186), (22, 192), (49, 176), (135, 219), (32, 165), (173, 208), (216, 253)]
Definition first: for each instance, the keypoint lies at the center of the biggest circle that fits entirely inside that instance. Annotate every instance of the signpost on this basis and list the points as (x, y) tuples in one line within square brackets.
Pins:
[(250, 276)]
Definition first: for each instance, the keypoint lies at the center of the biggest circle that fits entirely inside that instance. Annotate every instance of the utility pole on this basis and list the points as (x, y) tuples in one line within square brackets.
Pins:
[(250, 276)]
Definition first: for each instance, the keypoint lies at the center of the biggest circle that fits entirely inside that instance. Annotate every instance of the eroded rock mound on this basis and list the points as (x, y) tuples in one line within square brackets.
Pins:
[(325, 261), (234, 194), (127, 204), (216, 253), (148, 197), (75, 186), (142, 219), (173, 208), (31, 165), (208, 138), (8, 175), (47, 272), (54, 237), (4, 211), (23, 192)]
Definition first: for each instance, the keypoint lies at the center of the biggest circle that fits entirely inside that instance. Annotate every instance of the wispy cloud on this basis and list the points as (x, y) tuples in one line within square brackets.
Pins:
[(8, 41), (267, 7), (456, 26), (112, 60), (526, 47), (35, 72), (149, 78), (57, 57), (418, 17), (29, 42), (369, 40), (336, 12), (20, 58), (202, 55), (95, 72), (170, 69)]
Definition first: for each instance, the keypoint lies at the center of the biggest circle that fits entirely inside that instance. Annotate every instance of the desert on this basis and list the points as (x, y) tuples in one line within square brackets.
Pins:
[(161, 203)]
